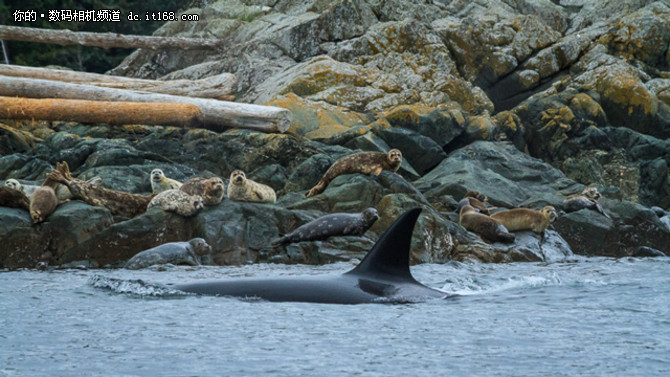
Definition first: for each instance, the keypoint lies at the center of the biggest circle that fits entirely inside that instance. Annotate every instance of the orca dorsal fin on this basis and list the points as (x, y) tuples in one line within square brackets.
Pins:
[(389, 257)]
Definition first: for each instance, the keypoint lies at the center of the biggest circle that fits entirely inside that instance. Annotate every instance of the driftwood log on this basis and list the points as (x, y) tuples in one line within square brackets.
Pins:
[(176, 114), (66, 37), (117, 202), (217, 115), (220, 86)]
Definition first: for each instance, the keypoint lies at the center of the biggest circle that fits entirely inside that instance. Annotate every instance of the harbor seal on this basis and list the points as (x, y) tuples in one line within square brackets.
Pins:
[(245, 190), (172, 252), (588, 198), (43, 202), (117, 202), (211, 189), (13, 198), (476, 200), (486, 227), (178, 202), (526, 219), (160, 183), (28, 190), (363, 162), (336, 224)]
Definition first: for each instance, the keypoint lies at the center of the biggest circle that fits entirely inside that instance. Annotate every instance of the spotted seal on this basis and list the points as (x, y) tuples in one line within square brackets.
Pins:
[(242, 189), (335, 224), (363, 162), (211, 189), (488, 228), (16, 185), (160, 183), (178, 202), (526, 219), (172, 252)]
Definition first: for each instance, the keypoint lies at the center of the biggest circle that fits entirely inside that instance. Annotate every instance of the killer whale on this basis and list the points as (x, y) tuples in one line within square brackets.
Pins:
[(382, 276)]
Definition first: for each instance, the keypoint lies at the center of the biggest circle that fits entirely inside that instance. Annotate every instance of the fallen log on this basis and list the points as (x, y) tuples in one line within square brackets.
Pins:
[(66, 37), (217, 115), (174, 114), (220, 86)]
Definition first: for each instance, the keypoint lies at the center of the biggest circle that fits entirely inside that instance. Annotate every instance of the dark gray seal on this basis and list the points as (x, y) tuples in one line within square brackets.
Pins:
[(336, 224), (172, 252)]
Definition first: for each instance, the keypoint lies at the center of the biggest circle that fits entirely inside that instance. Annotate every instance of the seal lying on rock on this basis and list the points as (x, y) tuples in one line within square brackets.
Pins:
[(363, 162), (160, 183), (476, 200), (43, 202), (336, 224), (172, 252), (211, 189), (13, 198), (526, 219), (28, 190), (178, 201), (245, 190), (588, 198), (117, 202), (483, 225)]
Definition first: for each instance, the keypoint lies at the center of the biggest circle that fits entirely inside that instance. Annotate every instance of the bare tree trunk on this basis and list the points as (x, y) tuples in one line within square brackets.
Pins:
[(218, 115), (105, 40), (176, 114), (219, 87)]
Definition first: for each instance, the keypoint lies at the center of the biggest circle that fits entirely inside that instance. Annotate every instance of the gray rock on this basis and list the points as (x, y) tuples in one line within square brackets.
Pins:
[(507, 176)]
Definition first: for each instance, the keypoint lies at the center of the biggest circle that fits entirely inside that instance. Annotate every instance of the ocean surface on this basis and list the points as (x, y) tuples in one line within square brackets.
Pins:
[(581, 316)]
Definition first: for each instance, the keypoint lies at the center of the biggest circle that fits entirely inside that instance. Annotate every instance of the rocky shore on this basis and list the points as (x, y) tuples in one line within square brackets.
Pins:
[(526, 101)]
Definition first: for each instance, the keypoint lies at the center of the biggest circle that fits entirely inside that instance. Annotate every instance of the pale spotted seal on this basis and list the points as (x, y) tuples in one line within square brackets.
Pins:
[(160, 183), (526, 219), (178, 202), (363, 162), (483, 225), (211, 189), (172, 252), (242, 189), (336, 224), (16, 185)]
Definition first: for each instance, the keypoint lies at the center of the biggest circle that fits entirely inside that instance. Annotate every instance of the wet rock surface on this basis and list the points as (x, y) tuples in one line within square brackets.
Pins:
[(525, 101)]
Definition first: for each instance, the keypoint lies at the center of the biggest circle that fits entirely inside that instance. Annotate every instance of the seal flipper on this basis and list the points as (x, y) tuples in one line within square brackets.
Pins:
[(600, 209), (389, 257)]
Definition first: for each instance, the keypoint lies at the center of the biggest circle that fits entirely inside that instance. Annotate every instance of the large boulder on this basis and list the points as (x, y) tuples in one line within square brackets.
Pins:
[(632, 226), (506, 175)]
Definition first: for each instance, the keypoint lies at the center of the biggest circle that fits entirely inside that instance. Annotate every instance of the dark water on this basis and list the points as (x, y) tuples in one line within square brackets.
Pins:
[(595, 317)]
